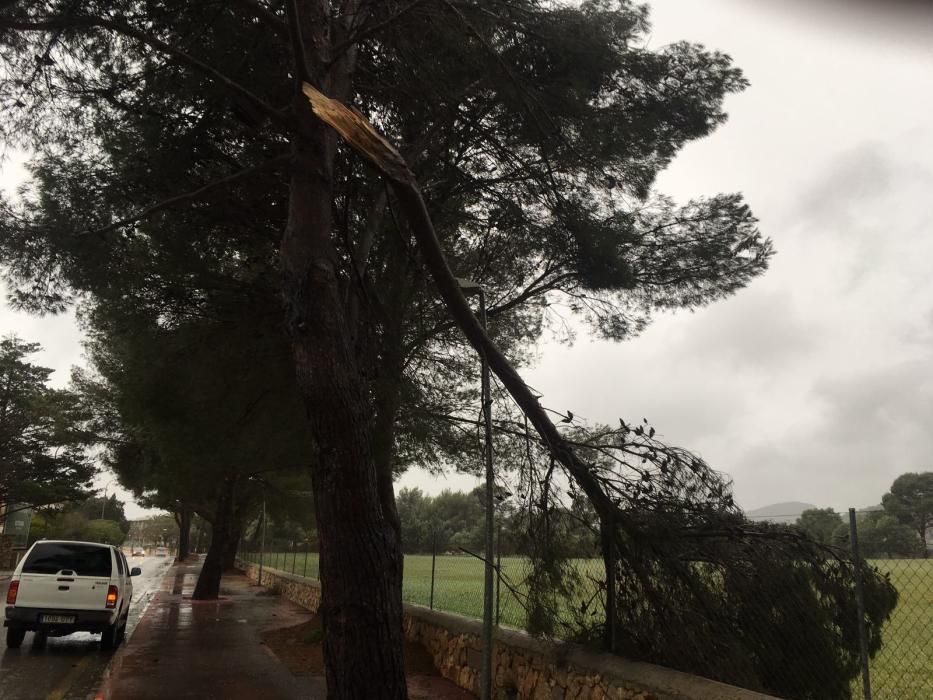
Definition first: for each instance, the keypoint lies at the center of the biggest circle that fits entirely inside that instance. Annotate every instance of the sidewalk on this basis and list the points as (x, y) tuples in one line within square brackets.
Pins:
[(212, 649), (215, 649)]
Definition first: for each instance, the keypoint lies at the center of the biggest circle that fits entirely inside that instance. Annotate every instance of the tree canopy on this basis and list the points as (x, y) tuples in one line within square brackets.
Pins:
[(910, 500), (820, 523), (42, 433), (197, 416), (82, 521), (529, 135)]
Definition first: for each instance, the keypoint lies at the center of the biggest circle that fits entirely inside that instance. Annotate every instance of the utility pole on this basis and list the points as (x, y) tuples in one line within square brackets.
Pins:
[(104, 503), (470, 287)]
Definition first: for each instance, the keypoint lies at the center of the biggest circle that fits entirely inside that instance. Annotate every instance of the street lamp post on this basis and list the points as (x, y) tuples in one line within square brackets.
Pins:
[(104, 503), (262, 541), (469, 287)]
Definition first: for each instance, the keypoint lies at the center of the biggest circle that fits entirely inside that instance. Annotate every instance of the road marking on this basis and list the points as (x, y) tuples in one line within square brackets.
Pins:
[(60, 690)]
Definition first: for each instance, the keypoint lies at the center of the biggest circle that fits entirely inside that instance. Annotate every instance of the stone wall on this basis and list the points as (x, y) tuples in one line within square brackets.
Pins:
[(305, 592), (525, 667)]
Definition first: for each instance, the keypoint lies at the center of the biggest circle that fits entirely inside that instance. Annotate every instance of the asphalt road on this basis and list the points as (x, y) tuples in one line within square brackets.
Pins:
[(71, 667)]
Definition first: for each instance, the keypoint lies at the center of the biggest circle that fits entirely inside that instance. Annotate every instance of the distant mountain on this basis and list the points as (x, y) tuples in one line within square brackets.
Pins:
[(780, 512)]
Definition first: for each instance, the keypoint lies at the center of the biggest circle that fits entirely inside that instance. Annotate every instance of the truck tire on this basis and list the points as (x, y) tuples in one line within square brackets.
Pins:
[(39, 639), (110, 637), (15, 636)]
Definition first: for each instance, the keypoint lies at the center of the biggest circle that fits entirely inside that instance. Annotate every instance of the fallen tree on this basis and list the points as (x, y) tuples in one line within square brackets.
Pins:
[(690, 582)]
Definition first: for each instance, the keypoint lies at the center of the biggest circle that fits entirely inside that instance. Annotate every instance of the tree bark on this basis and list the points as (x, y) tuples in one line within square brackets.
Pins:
[(361, 605), (199, 542), (234, 531), (208, 585), (361, 596), (183, 517)]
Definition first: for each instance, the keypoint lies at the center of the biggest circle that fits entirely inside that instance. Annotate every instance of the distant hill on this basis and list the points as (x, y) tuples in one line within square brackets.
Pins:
[(780, 512)]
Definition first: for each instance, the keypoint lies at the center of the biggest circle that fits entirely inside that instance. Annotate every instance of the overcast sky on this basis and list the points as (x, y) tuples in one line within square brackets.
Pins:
[(816, 383)]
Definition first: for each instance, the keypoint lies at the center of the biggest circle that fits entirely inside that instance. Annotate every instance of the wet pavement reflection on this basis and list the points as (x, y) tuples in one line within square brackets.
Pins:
[(208, 649)]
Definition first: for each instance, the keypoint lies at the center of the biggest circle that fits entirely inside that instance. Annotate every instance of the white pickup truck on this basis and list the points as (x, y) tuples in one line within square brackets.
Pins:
[(61, 587)]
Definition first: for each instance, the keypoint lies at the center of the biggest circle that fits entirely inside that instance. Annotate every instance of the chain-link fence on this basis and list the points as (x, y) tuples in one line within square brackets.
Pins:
[(290, 556), (452, 582), (902, 669)]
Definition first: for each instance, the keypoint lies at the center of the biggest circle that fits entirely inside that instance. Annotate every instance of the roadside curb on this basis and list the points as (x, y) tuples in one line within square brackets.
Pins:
[(116, 660)]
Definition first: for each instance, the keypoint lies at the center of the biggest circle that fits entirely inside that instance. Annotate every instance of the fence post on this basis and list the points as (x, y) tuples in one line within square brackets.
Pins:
[(433, 561), (498, 569), (294, 556), (860, 602), (304, 571), (262, 537), (609, 562)]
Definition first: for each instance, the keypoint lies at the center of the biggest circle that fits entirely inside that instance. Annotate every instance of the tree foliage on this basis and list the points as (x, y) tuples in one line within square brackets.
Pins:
[(196, 413), (42, 433), (105, 508), (540, 140), (880, 536), (536, 129), (820, 523), (690, 582), (81, 521), (910, 500)]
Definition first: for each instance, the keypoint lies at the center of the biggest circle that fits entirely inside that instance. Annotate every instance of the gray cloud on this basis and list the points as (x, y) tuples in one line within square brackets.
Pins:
[(814, 384)]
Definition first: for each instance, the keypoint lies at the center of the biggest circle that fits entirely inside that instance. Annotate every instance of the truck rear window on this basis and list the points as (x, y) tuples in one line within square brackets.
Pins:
[(52, 557)]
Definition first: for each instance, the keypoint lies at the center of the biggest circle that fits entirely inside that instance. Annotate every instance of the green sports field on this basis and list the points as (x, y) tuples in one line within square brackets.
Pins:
[(902, 670), (458, 581)]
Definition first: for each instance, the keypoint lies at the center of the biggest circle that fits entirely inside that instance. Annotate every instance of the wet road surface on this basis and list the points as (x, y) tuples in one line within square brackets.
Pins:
[(72, 667)]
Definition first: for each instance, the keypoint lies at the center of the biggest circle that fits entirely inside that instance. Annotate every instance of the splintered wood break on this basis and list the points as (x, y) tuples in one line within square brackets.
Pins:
[(360, 134)]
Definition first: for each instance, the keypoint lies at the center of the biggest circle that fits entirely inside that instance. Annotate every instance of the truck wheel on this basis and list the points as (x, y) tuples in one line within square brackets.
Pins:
[(109, 639), (15, 636)]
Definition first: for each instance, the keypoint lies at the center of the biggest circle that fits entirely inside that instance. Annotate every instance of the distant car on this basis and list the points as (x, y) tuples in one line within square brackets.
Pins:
[(138, 553), (161, 552), (61, 587)]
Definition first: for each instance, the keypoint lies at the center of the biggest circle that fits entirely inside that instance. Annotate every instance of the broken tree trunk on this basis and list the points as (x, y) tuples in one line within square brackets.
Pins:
[(363, 137), (360, 549)]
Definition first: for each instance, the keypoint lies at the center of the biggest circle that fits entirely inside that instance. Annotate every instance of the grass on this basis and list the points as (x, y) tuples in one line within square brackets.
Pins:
[(458, 581), (902, 669)]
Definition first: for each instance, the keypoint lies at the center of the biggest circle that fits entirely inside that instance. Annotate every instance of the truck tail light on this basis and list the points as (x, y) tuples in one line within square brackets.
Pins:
[(112, 594), (11, 593)]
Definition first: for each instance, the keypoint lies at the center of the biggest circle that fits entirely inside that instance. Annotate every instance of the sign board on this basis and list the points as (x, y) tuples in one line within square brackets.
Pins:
[(17, 525)]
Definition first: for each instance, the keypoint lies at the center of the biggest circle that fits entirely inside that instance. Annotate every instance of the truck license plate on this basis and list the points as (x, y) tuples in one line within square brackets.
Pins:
[(57, 619)]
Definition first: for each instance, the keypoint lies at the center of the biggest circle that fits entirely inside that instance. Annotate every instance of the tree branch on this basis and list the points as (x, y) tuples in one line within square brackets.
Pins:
[(261, 12), (302, 73), (364, 31), (186, 59), (186, 196), (370, 144)]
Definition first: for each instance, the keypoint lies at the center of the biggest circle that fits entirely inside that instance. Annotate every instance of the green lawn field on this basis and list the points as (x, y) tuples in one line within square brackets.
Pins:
[(902, 670), (458, 581)]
